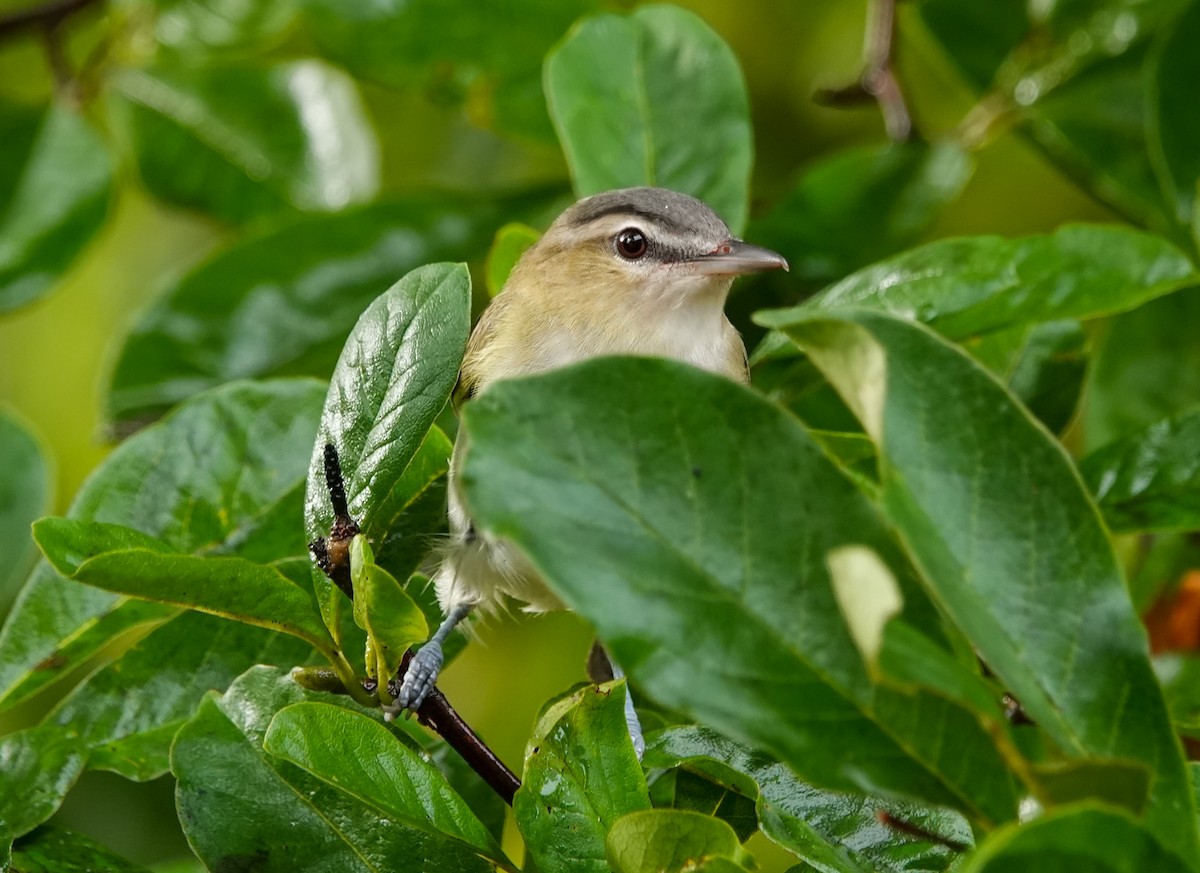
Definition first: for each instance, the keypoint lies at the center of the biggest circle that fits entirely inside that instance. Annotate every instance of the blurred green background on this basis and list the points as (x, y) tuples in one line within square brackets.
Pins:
[(55, 355)]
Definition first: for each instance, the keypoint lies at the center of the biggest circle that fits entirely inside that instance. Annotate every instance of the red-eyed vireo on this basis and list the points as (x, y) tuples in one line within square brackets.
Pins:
[(639, 271)]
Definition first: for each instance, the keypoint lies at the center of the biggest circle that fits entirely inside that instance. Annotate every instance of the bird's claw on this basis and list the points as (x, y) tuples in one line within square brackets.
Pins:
[(419, 678)]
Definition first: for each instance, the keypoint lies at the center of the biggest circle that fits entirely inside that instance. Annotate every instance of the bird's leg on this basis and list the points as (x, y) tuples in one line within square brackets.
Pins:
[(425, 665), (602, 668)]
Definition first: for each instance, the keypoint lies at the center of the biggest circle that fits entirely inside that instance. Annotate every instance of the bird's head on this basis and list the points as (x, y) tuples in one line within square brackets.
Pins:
[(646, 245)]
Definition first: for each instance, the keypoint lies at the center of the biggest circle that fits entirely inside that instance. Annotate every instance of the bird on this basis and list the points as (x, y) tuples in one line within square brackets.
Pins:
[(636, 271)]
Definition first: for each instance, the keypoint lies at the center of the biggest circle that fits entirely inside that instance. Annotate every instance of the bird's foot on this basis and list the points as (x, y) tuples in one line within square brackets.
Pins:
[(419, 678)]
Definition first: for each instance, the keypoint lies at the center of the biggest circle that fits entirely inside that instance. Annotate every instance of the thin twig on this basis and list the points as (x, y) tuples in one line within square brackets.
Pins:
[(333, 557), (47, 14), (878, 81)]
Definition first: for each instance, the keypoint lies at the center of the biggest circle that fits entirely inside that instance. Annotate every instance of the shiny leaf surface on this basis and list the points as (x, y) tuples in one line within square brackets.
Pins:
[(203, 480), (581, 775), (834, 832), (124, 561), (55, 186), (673, 840), (1082, 670), (665, 94), (38, 766), (697, 545), (1150, 481), (363, 759), (54, 850), (392, 380), (282, 303), (241, 142), (327, 828)]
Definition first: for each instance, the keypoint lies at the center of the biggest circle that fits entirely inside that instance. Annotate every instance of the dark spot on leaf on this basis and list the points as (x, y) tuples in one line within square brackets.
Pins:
[(696, 472), (53, 662)]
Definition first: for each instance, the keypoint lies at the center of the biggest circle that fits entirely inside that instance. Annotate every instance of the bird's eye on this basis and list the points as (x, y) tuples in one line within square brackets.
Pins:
[(631, 243)]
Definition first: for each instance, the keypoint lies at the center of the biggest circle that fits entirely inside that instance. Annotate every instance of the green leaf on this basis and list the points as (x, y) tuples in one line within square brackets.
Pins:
[(682, 789), (835, 832), (1173, 126), (55, 187), (511, 242), (279, 817), (382, 608), (673, 841), (408, 519), (25, 493), (128, 712), (1150, 481), (1079, 663), (363, 759), (1082, 840), (54, 850), (1076, 74), (196, 28), (283, 303), (490, 59), (1147, 368), (697, 546), (581, 775), (1044, 365), (392, 380), (243, 141), (973, 285), (203, 480), (653, 98), (128, 562), (861, 205), (38, 766)]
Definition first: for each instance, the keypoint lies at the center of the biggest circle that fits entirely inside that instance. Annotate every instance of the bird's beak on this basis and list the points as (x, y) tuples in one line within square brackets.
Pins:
[(735, 258)]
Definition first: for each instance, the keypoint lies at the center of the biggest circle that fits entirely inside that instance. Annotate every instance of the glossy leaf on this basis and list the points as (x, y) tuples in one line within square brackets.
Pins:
[(581, 775), (1151, 479), (860, 206), (326, 828), (203, 480), (682, 789), (25, 494), (511, 242), (664, 94), (392, 620), (55, 187), (54, 850), (972, 285), (1083, 840), (697, 545), (672, 840), (363, 759), (283, 303), (38, 766), (128, 712), (1147, 368), (127, 562), (1081, 671), (834, 832), (392, 380), (1044, 365), (1174, 127), (490, 60), (1076, 74), (241, 141)]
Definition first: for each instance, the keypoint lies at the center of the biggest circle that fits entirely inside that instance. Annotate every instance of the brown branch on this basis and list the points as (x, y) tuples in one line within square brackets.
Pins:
[(333, 557), (47, 15), (878, 80)]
